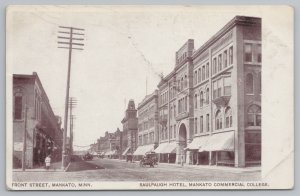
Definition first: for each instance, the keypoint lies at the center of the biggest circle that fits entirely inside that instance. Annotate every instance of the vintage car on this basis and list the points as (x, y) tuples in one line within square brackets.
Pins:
[(149, 159), (87, 157)]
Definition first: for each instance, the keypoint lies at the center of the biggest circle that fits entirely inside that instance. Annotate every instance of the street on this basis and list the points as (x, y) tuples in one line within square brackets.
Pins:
[(119, 170)]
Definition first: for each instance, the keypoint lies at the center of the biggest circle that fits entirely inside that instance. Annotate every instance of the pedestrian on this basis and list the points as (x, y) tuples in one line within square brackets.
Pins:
[(48, 162)]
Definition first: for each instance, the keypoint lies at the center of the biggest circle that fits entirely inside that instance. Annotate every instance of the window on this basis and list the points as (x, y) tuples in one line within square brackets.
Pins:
[(228, 117), (249, 83), (174, 111), (201, 98), (231, 55), (220, 62), (170, 130), (207, 95), (259, 82), (225, 58), (227, 86), (195, 78), (201, 124), (185, 81), (203, 72), (18, 106), (199, 75), (207, 122), (171, 108), (140, 140), (207, 70), (196, 128), (218, 120), (248, 53), (215, 66), (196, 100), (258, 53), (254, 115)]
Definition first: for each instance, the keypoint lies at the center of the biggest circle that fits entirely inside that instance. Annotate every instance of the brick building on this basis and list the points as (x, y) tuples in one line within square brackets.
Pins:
[(147, 124), (210, 104), (44, 134)]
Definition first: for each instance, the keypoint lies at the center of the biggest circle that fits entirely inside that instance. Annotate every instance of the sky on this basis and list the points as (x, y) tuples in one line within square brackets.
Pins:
[(124, 47)]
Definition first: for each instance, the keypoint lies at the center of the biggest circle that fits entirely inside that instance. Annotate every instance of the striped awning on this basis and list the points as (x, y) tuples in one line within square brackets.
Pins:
[(220, 142), (198, 143), (142, 150)]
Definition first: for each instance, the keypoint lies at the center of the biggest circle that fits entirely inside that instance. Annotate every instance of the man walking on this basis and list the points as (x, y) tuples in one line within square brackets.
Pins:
[(48, 162)]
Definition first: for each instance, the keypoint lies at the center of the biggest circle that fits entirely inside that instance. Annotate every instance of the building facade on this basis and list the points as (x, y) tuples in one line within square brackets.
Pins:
[(147, 124), (210, 104), (31, 109), (130, 127), (110, 144)]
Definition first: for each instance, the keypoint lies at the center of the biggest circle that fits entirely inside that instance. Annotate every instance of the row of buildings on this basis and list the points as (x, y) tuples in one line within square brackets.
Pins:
[(33, 115), (207, 110)]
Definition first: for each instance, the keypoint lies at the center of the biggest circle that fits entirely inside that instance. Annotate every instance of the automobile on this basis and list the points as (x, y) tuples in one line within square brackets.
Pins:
[(147, 160), (87, 157)]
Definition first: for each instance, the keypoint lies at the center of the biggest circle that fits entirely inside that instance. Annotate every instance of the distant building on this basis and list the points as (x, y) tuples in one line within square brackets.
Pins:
[(109, 145), (210, 104), (129, 134), (44, 133), (147, 124)]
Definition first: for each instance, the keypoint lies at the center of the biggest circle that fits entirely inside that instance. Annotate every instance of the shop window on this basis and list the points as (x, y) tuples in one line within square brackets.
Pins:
[(249, 83), (254, 115), (228, 117)]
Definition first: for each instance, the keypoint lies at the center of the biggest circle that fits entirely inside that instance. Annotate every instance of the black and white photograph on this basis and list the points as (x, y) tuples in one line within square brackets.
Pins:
[(149, 97)]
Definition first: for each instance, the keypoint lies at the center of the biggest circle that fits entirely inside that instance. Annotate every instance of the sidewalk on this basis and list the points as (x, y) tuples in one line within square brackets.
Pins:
[(204, 167), (54, 167)]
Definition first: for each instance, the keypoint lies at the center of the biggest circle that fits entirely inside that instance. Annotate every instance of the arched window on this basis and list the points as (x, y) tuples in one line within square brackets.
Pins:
[(228, 117), (207, 95), (218, 120), (249, 83), (254, 115), (18, 106), (196, 100), (201, 98)]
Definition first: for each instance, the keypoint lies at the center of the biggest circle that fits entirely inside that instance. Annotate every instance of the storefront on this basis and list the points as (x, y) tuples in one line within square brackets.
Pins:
[(166, 152)]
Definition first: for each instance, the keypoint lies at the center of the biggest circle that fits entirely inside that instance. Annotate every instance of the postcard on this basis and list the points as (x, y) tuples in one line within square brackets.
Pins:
[(149, 97)]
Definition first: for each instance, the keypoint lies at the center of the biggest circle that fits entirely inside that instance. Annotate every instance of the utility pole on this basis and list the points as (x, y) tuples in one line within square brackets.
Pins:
[(24, 140), (72, 104), (69, 37)]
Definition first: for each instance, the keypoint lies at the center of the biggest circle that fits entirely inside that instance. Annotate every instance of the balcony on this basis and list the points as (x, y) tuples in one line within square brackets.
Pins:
[(221, 99)]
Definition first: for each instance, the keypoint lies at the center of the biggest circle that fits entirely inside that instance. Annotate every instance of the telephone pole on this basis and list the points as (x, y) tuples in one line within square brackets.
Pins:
[(72, 104), (69, 39)]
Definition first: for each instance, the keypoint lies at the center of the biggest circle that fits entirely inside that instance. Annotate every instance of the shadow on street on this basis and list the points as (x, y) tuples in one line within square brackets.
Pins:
[(77, 164)]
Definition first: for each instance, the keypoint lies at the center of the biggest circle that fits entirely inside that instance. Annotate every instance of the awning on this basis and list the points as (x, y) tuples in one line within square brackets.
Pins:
[(170, 148), (142, 150), (166, 148), (113, 152), (198, 143), (220, 142), (125, 151), (160, 147)]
